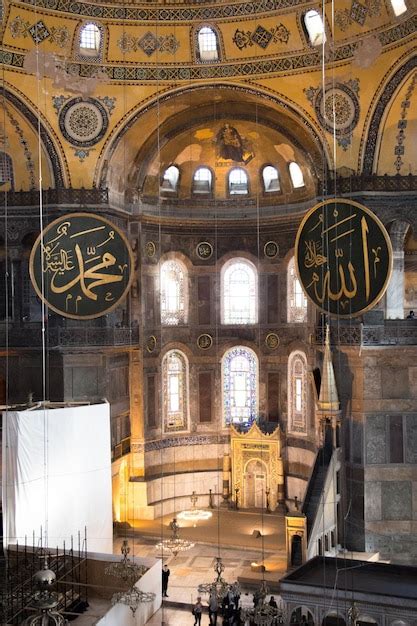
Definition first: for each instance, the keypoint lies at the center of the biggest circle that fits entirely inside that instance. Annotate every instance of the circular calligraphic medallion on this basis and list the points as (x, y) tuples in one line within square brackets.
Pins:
[(204, 250), (83, 121), (343, 257), (150, 249), (272, 341), (151, 344), (81, 266), (205, 341), (271, 249)]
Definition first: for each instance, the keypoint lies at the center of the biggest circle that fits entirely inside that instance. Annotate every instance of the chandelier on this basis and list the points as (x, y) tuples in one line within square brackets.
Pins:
[(45, 601), (132, 598), (194, 515), (125, 569), (219, 587), (174, 544), (264, 614)]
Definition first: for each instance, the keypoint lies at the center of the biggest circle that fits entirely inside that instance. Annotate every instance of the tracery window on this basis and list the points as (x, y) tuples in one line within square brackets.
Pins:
[(315, 28), (6, 169), (90, 38), (170, 178), (239, 292), (240, 385), (202, 180), (238, 181), (175, 391), (174, 293), (297, 393), (207, 44), (296, 300), (399, 7), (296, 175), (270, 178)]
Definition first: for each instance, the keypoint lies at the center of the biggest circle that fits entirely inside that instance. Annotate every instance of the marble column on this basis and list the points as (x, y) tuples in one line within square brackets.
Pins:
[(394, 303)]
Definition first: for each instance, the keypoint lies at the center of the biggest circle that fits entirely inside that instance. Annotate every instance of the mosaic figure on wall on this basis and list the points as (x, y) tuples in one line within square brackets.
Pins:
[(231, 146)]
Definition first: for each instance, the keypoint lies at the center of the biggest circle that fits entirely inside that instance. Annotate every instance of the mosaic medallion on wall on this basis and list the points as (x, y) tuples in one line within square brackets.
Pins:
[(205, 341), (271, 249), (83, 121), (204, 250), (151, 343), (337, 109), (150, 249), (272, 341)]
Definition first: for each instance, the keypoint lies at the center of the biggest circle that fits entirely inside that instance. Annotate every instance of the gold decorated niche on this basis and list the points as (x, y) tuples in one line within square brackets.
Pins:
[(257, 468)]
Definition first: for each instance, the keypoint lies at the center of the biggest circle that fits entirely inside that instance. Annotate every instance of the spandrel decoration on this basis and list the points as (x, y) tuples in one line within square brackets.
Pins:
[(343, 257), (81, 266)]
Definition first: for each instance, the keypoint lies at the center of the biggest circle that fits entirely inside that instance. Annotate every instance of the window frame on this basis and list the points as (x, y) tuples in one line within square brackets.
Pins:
[(183, 413), (296, 187), (266, 191), (180, 315), (227, 420), (90, 54), (198, 52), (203, 193), (166, 190), (297, 419), (292, 310), (253, 307), (6, 168), (239, 194), (306, 30)]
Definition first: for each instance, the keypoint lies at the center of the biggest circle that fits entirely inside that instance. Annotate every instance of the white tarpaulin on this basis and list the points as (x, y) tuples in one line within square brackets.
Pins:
[(57, 475)]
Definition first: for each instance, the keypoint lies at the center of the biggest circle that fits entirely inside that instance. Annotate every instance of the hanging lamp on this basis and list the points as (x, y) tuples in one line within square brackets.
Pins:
[(263, 614), (45, 601), (219, 587), (125, 569), (194, 515), (174, 543), (132, 598)]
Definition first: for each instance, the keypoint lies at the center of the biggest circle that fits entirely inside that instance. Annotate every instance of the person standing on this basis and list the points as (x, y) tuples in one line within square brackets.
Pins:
[(165, 577), (197, 611), (213, 607)]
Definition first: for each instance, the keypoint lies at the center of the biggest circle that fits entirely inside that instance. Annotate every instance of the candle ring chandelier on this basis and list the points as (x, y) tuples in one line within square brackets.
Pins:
[(264, 614), (174, 544), (125, 569), (194, 515), (132, 598), (219, 587)]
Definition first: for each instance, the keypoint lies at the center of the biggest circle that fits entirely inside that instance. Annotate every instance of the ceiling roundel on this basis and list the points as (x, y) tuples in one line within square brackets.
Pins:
[(83, 121)]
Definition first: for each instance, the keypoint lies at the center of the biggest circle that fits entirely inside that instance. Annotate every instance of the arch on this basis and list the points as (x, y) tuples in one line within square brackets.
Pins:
[(175, 392), (90, 40), (238, 182), (173, 292), (255, 482), (239, 292), (53, 155), (207, 44), (379, 111), (314, 26), (296, 299), (300, 616), (333, 619), (270, 179), (202, 180), (297, 393), (239, 385), (296, 175), (170, 179)]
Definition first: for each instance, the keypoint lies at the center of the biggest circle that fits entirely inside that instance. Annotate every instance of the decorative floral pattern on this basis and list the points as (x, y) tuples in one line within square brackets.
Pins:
[(83, 122), (30, 166), (337, 109), (402, 124), (39, 32), (261, 36), (148, 43)]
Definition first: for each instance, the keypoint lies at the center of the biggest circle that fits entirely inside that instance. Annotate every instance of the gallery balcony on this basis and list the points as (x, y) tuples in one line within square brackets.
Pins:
[(385, 333), (30, 336)]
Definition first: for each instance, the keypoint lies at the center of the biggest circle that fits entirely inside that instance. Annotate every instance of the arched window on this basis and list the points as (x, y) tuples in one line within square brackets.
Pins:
[(270, 178), (297, 393), (174, 293), (399, 7), (296, 175), (239, 292), (202, 180), (208, 49), (296, 300), (240, 385), (6, 170), (238, 181), (175, 391), (90, 37), (170, 178), (315, 28)]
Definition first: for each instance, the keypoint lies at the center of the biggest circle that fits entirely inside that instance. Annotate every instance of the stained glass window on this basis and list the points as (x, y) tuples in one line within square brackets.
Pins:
[(297, 393), (239, 292), (174, 293), (90, 37), (296, 300), (207, 44), (240, 385), (175, 391)]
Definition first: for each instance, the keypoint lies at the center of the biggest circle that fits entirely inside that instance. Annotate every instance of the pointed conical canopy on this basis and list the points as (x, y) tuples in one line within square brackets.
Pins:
[(328, 398)]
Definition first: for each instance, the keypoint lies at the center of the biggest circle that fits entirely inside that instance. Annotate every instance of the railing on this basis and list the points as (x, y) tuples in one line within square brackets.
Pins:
[(31, 336), (403, 333), (80, 197)]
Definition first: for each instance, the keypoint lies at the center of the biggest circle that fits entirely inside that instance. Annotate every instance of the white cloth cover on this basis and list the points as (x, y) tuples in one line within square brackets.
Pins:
[(57, 476)]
